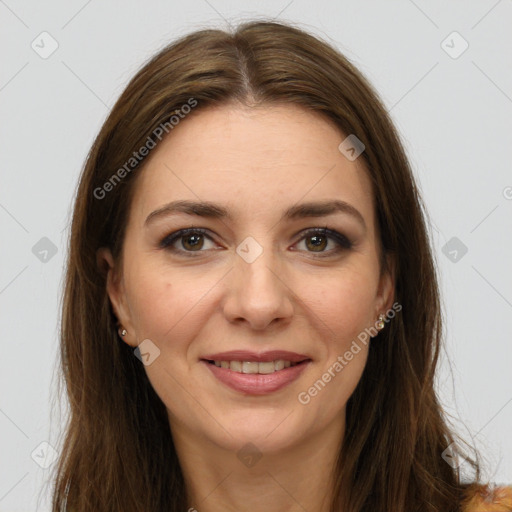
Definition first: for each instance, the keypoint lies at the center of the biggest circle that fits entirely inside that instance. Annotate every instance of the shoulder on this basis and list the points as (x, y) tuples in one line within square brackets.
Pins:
[(488, 498)]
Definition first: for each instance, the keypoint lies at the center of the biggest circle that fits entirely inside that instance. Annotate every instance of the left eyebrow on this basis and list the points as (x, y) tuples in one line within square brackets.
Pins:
[(216, 211), (323, 208)]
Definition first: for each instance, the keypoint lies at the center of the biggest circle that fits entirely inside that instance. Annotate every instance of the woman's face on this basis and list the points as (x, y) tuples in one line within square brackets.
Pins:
[(257, 278)]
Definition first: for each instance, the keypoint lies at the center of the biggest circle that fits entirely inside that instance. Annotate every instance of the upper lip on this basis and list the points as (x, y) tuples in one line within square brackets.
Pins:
[(261, 357)]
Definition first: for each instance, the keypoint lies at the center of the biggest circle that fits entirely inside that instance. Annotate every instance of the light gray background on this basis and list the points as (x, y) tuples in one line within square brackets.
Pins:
[(453, 114)]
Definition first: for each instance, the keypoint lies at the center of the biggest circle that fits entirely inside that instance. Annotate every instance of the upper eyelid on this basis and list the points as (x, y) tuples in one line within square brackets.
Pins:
[(323, 230)]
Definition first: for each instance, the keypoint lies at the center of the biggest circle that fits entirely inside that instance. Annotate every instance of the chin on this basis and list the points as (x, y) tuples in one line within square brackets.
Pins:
[(268, 432)]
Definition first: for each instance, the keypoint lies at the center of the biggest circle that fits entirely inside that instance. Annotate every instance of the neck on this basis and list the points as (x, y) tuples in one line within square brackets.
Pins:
[(295, 478)]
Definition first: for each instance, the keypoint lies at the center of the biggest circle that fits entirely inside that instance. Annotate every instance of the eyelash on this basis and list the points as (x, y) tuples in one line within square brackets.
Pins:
[(341, 240)]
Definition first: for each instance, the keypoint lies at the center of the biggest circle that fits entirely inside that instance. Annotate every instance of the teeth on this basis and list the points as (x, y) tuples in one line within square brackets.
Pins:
[(246, 367), (254, 367), (269, 367), (236, 366)]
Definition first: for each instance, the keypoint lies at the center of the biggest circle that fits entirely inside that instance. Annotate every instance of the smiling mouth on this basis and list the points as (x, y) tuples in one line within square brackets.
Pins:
[(254, 367)]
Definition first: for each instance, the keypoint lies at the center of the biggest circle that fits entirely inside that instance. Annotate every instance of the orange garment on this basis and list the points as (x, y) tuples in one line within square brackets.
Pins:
[(489, 498)]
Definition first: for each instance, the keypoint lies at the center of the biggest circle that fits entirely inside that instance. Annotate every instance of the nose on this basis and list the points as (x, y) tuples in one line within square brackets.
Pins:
[(257, 293)]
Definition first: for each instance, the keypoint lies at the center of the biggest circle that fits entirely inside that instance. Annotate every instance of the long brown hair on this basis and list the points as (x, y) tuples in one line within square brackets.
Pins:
[(118, 453)]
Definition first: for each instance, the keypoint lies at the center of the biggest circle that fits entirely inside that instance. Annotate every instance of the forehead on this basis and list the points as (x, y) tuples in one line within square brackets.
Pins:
[(257, 160)]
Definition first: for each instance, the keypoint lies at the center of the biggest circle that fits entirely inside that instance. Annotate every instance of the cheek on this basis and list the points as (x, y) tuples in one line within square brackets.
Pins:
[(164, 304), (344, 310), (343, 301)]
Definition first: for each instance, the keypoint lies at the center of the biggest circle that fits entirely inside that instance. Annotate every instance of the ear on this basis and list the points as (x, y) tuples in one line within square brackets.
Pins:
[(116, 293), (386, 289)]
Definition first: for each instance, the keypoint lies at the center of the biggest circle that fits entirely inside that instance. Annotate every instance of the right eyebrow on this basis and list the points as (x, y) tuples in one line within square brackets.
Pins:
[(201, 209)]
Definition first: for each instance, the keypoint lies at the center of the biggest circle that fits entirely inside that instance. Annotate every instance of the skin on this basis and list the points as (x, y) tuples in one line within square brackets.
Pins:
[(256, 162)]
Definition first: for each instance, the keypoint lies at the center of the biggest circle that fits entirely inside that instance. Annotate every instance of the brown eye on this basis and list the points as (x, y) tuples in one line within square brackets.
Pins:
[(192, 242), (318, 242)]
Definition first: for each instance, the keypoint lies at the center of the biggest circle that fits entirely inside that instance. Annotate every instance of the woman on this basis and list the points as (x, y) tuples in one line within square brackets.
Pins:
[(251, 318)]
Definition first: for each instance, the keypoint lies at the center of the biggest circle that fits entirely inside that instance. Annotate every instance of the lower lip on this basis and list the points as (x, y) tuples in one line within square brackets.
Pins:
[(256, 383)]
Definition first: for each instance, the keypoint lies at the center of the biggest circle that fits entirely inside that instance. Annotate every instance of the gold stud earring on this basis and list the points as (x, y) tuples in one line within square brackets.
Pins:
[(380, 323)]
